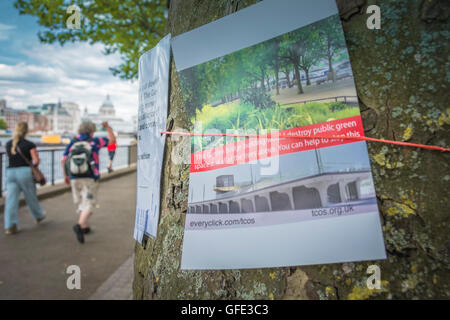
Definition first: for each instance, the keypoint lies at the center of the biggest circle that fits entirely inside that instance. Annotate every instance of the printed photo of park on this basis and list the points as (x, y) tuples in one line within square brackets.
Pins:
[(299, 78)]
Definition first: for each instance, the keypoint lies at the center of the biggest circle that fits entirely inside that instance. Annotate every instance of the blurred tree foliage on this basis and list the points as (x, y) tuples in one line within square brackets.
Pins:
[(129, 27), (3, 124)]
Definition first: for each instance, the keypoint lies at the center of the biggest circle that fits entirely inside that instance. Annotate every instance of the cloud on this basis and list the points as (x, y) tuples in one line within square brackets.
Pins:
[(77, 72), (16, 92), (77, 59), (28, 73), (5, 31)]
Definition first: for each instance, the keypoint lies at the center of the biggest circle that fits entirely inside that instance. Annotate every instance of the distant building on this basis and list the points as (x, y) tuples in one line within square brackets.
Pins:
[(107, 113), (41, 122), (59, 119), (40, 118), (107, 109), (13, 117), (56, 117), (64, 117), (74, 111)]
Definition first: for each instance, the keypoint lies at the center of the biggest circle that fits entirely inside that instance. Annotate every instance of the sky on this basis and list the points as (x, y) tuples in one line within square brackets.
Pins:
[(33, 73)]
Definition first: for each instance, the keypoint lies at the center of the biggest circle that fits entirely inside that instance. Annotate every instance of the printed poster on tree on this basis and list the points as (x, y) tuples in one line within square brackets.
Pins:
[(275, 70), (152, 116)]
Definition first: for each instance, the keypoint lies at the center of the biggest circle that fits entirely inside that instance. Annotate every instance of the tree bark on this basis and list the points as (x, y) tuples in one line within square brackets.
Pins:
[(330, 62), (286, 72), (308, 81), (263, 78), (406, 100), (297, 76), (276, 66), (277, 71)]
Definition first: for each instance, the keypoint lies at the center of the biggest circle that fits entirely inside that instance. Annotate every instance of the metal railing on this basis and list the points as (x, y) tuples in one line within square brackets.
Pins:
[(343, 99), (50, 163)]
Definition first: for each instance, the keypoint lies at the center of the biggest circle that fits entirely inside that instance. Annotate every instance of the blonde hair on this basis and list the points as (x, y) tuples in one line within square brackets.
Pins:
[(20, 133), (87, 128)]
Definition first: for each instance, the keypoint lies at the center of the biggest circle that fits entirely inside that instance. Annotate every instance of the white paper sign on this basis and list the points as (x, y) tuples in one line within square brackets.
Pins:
[(153, 101)]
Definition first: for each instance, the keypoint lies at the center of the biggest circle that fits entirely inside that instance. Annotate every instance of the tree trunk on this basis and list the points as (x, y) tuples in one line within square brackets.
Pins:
[(308, 81), (403, 101), (299, 80), (286, 72), (330, 63), (263, 78), (276, 66), (277, 71)]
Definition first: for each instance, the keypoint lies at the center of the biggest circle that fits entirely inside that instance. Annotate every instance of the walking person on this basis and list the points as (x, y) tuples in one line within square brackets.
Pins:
[(81, 171), (19, 178), (111, 152)]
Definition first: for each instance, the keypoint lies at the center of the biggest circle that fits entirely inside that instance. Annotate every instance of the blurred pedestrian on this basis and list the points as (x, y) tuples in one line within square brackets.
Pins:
[(81, 171), (111, 152), (19, 178)]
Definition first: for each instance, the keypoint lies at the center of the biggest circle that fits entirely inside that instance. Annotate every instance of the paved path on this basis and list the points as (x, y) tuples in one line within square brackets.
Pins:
[(33, 262), (119, 286)]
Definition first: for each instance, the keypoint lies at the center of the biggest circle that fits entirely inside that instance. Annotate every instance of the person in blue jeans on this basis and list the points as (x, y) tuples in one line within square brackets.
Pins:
[(20, 179)]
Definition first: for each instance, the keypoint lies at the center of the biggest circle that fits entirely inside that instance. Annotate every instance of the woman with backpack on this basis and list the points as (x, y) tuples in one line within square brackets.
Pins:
[(81, 170), (19, 178)]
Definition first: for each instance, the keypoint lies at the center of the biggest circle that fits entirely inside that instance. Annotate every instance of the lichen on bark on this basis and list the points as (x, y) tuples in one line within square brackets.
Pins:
[(402, 74)]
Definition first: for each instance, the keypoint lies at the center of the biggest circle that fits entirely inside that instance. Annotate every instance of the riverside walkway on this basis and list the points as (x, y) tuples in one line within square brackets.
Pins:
[(33, 263)]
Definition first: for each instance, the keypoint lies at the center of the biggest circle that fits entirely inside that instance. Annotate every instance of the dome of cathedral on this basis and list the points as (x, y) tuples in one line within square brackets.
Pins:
[(107, 108)]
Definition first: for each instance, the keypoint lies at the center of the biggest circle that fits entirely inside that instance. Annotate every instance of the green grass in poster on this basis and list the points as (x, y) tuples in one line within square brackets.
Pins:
[(300, 78)]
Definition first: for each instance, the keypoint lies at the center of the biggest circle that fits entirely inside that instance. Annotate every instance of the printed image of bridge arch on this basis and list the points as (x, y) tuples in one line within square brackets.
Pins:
[(318, 191), (313, 179)]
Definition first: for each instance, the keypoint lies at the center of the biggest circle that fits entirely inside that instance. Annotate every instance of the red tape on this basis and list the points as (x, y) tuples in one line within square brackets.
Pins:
[(399, 143)]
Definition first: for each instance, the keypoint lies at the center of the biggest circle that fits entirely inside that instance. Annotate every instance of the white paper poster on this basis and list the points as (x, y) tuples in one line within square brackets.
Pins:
[(152, 116), (274, 200)]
